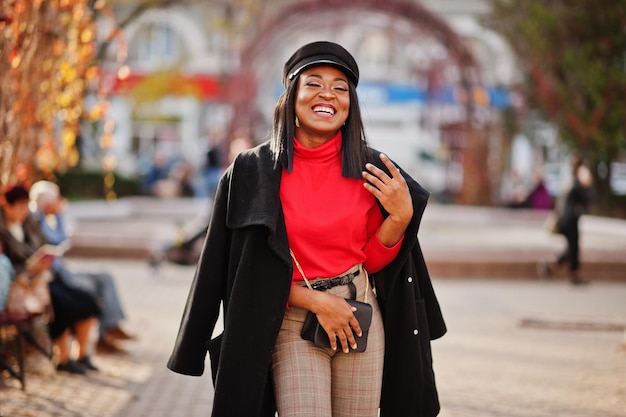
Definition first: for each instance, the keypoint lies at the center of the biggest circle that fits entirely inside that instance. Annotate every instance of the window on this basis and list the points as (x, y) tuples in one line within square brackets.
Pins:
[(155, 44)]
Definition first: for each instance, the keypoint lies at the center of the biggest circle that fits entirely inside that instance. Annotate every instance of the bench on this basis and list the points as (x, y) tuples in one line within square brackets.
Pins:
[(17, 329)]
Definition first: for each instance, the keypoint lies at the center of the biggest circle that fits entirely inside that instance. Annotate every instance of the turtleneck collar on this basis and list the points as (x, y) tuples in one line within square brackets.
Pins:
[(327, 151)]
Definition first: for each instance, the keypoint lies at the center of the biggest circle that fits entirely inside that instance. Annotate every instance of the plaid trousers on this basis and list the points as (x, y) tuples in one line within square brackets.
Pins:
[(310, 381)]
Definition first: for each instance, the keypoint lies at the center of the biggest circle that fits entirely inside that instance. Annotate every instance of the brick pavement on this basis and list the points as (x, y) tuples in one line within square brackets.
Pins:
[(133, 385), (488, 365)]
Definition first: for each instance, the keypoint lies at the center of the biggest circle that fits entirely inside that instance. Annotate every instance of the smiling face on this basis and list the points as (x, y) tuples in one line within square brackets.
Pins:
[(322, 104)]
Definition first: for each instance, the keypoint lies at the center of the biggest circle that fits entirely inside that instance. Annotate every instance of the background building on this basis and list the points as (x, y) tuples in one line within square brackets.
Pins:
[(197, 75)]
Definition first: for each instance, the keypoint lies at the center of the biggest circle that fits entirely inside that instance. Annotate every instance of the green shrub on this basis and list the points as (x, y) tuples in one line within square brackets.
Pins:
[(77, 184)]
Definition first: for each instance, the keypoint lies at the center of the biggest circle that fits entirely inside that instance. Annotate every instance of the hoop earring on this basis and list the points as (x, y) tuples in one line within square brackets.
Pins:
[(297, 122)]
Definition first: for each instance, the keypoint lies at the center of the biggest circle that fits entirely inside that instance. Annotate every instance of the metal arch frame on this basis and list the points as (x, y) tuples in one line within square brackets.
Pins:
[(410, 10)]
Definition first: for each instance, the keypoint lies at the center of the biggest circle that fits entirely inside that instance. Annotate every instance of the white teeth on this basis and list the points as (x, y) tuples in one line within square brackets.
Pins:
[(324, 109)]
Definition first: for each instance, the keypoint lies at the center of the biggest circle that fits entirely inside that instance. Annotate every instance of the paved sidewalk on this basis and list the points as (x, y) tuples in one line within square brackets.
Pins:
[(133, 385), (488, 365), (517, 346)]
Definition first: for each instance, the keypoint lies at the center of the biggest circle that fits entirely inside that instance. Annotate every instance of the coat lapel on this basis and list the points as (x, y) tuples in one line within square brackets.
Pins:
[(254, 198)]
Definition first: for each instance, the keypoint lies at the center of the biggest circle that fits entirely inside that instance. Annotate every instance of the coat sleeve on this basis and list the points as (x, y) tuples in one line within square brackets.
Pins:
[(206, 293)]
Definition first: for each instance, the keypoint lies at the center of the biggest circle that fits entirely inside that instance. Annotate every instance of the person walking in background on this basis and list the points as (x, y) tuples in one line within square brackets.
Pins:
[(74, 310), (212, 169), (49, 209), (570, 207), (317, 193)]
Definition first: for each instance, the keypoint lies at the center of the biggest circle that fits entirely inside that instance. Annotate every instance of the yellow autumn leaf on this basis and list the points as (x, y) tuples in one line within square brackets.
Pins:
[(68, 137), (73, 158), (68, 73), (64, 100), (86, 36)]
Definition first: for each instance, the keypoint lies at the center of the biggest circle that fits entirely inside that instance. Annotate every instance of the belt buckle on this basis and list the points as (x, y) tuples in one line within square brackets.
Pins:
[(320, 285)]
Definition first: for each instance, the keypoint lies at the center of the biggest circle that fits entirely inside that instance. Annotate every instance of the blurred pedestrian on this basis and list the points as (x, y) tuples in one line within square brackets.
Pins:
[(314, 200), (182, 176), (212, 167), (49, 208), (158, 171), (571, 205), (539, 197)]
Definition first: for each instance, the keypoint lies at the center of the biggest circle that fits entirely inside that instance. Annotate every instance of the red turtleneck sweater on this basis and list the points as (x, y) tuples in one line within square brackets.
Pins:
[(332, 221)]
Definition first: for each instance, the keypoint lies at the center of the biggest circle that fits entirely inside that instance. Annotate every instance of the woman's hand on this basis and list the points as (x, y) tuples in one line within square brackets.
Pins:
[(334, 314), (22, 280), (337, 318), (393, 194), (43, 264)]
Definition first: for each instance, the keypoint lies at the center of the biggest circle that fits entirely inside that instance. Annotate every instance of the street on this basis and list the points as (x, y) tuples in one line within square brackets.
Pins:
[(488, 365)]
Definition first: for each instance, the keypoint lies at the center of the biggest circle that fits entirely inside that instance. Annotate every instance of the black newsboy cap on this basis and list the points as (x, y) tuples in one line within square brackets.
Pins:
[(320, 53)]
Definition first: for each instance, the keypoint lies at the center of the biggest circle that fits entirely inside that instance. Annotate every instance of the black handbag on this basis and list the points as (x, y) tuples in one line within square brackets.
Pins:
[(311, 330), (314, 332)]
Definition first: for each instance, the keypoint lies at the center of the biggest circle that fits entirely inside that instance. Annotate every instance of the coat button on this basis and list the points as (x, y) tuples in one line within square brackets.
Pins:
[(416, 332), (410, 279)]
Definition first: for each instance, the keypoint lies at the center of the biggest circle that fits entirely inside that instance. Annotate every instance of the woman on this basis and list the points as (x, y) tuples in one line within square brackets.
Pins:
[(50, 206), (73, 309), (573, 203), (317, 190)]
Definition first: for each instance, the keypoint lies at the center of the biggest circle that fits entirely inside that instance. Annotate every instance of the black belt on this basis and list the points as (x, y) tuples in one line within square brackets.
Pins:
[(326, 284)]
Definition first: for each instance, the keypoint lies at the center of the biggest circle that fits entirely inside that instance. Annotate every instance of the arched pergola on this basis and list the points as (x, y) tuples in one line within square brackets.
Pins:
[(407, 23), (305, 14)]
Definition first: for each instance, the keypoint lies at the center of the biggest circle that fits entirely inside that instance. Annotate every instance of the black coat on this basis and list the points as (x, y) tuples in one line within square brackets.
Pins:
[(245, 265)]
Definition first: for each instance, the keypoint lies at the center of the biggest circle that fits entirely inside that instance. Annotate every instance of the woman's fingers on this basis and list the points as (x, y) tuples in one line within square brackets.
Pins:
[(341, 327), (393, 169), (392, 192), (378, 179), (346, 338)]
